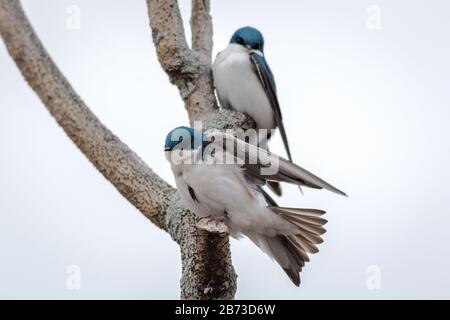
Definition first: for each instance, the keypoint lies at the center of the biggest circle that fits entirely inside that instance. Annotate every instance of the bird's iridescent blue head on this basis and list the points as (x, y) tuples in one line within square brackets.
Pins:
[(248, 37), (185, 138)]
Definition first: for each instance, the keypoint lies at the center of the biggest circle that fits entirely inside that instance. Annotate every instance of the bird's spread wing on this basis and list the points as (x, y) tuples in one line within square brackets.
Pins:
[(266, 77), (261, 165)]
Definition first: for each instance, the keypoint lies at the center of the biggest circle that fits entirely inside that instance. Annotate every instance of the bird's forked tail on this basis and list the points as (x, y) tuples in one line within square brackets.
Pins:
[(291, 251)]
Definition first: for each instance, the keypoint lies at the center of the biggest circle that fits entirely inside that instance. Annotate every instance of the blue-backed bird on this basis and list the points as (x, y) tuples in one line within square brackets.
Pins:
[(245, 83), (211, 185)]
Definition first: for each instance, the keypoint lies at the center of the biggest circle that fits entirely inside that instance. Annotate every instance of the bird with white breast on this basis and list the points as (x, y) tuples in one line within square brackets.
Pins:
[(244, 82), (232, 191)]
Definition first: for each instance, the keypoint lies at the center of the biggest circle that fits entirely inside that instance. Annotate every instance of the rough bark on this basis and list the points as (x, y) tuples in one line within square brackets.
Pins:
[(189, 70), (202, 28), (206, 260)]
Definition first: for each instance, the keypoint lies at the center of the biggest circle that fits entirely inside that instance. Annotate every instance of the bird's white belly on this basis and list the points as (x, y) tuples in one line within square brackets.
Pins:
[(222, 191), (239, 88)]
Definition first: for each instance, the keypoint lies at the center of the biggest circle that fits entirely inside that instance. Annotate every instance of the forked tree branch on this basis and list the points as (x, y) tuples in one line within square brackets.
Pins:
[(120, 165), (188, 69), (206, 260)]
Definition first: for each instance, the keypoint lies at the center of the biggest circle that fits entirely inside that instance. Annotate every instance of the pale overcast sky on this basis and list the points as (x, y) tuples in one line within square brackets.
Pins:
[(363, 87)]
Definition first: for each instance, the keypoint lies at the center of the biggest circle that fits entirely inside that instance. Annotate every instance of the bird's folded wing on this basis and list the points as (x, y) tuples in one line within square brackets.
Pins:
[(262, 165), (265, 75)]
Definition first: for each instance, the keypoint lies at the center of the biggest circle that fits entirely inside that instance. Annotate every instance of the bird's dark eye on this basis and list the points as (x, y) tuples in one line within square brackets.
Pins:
[(257, 46), (240, 40)]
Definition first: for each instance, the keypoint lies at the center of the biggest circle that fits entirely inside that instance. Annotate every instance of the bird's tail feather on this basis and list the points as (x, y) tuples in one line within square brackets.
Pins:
[(275, 186), (291, 251)]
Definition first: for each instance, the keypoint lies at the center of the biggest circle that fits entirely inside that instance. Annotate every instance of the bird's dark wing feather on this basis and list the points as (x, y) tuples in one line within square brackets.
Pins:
[(266, 77), (254, 159)]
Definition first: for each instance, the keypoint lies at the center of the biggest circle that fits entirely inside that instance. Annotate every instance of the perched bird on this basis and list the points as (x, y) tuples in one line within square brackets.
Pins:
[(231, 191), (245, 83)]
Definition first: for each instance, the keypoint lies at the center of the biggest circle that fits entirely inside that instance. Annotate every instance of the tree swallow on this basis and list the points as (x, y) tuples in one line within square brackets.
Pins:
[(245, 83), (232, 191)]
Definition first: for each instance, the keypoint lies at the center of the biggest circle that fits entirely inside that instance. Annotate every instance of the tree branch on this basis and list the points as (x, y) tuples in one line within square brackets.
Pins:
[(202, 28), (189, 70), (173, 52), (206, 260), (120, 165)]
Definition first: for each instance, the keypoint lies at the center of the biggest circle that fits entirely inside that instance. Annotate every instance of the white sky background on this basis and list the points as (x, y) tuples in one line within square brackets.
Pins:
[(365, 109)]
